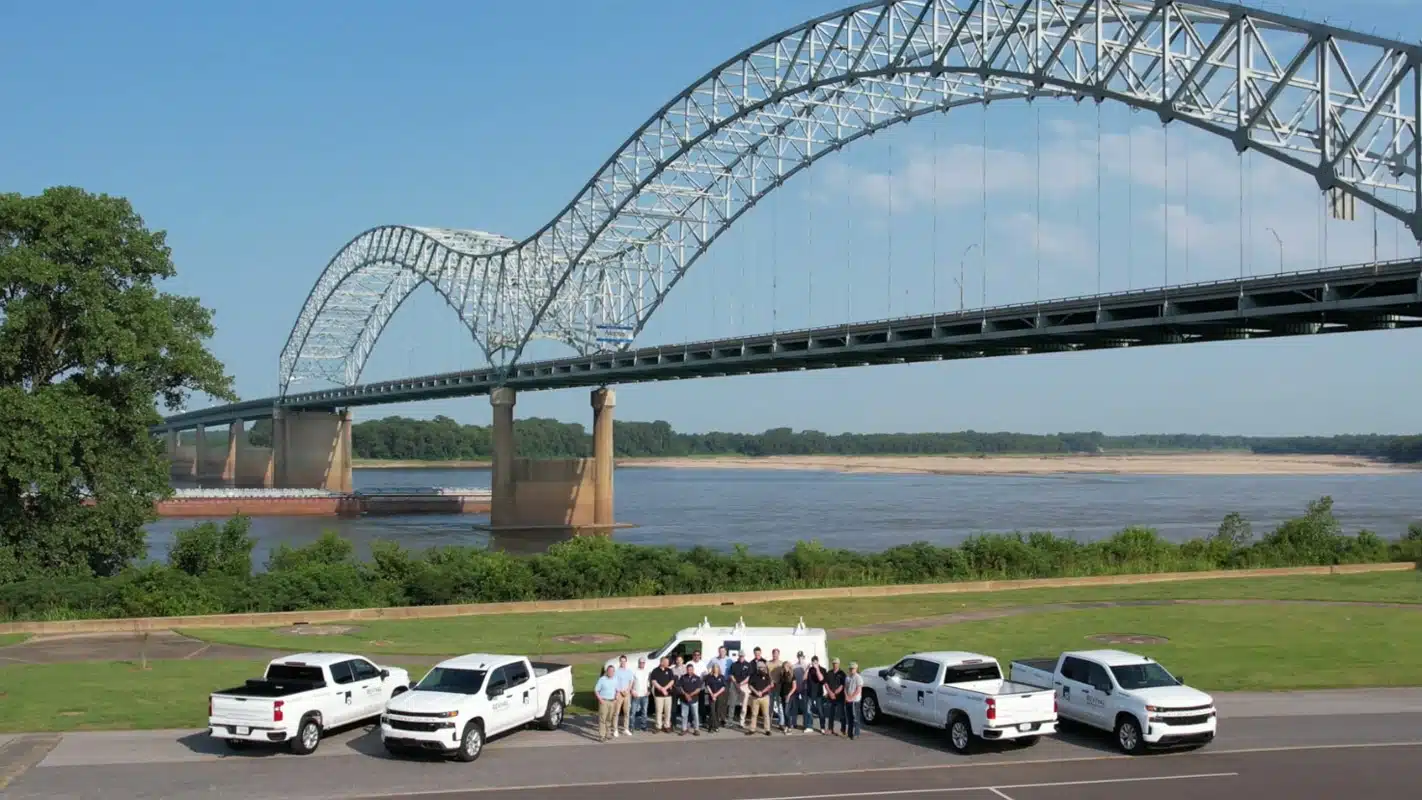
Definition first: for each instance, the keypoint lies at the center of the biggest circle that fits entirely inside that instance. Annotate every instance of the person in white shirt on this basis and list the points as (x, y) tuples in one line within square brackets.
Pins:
[(641, 688)]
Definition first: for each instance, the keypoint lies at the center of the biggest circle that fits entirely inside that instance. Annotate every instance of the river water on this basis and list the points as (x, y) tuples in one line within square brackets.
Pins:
[(769, 510)]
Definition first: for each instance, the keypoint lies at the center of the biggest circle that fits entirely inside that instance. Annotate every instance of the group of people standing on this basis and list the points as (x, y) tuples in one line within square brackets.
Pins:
[(722, 690)]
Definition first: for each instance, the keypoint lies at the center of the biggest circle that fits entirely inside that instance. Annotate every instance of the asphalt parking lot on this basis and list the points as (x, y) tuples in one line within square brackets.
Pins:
[(1365, 743)]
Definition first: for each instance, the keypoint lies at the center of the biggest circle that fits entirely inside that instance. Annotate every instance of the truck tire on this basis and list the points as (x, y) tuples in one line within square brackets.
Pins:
[(308, 736), (869, 708), (553, 715), (472, 743), (1128, 735), (960, 734)]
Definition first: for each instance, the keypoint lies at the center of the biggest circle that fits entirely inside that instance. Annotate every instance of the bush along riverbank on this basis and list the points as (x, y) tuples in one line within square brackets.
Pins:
[(209, 568)]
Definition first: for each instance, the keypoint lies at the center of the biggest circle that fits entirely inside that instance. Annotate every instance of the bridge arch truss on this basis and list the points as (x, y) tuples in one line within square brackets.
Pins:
[(1338, 105)]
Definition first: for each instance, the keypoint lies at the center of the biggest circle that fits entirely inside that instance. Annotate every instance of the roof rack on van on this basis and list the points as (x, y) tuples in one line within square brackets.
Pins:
[(705, 623), (799, 629), (740, 624)]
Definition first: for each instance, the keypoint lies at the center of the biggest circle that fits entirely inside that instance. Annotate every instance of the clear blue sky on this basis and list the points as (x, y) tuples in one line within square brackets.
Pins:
[(263, 135)]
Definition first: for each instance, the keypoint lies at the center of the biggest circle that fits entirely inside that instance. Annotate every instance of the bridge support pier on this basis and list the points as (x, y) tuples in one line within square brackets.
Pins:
[(182, 464), (216, 463), (547, 500), (312, 450), (252, 466)]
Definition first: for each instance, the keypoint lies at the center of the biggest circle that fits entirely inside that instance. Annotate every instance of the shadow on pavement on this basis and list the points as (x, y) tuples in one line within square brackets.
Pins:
[(367, 742)]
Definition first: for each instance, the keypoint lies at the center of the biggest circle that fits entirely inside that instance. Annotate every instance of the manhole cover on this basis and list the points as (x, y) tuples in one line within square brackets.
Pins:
[(318, 630), (1127, 638), (590, 638)]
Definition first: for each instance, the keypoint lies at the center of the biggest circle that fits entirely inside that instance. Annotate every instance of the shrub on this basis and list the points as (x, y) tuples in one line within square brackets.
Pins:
[(209, 568)]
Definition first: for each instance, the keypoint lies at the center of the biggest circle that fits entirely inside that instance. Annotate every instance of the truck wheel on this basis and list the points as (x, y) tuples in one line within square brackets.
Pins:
[(553, 716), (472, 744), (960, 734), (1128, 735), (307, 738), (869, 709)]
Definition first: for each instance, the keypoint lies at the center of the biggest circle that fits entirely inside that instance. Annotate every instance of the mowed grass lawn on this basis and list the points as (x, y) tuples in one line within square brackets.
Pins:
[(12, 638), (1215, 647), (649, 628)]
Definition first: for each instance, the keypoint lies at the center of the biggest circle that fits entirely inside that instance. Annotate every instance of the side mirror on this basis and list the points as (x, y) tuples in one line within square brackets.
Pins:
[(883, 673), (497, 689), (384, 673), (1179, 680)]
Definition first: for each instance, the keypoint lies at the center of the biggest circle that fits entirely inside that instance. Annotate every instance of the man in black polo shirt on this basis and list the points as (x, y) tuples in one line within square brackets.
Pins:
[(740, 693), (833, 702), (688, 689), (662, 680), (760, 686)]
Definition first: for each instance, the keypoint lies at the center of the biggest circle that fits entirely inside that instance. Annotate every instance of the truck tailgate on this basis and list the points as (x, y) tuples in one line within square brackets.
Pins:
[(1035, 706), (243, 710)]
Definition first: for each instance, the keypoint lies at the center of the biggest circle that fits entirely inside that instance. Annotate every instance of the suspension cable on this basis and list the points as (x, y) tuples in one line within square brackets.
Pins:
[(984, 154), (1098, 197), (889, 277), (1165, 206), (934, 190), (1130, 203), (1038, 235)]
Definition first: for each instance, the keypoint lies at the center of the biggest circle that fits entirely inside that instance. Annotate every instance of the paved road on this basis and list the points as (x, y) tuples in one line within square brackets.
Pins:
[(1361, 744)]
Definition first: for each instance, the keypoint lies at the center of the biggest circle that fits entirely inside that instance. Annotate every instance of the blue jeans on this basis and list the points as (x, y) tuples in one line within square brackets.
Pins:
[(809, 708), (637, 716), (690, 713), (851, 719), (782, 709), (831, 711)]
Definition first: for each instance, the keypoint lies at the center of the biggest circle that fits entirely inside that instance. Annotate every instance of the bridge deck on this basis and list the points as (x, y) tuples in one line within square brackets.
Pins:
[(1380, 296)]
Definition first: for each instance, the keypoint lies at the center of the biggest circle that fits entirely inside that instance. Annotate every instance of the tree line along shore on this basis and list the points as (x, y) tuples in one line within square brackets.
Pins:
[(400, 440), (209, 569)]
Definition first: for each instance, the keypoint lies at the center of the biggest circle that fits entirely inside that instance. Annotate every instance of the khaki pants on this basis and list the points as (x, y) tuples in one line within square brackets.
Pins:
[(606, 717), (621, 710), (662, 707), (760, 708)]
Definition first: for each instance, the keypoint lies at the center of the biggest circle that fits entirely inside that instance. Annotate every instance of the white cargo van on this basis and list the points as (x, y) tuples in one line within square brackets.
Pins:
[(738, 638)]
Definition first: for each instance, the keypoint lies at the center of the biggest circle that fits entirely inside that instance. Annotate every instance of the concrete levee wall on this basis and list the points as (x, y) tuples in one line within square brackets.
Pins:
[(276, 619), (554, 492)]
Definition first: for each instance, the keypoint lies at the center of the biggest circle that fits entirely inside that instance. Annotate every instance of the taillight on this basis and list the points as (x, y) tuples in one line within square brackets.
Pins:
[(209, 706), (1054, 705), (991, 709), (276, 710)]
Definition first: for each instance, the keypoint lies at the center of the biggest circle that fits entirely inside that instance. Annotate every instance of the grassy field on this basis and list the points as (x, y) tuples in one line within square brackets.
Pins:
[(12, 638), (645, 629), (1215, 647)]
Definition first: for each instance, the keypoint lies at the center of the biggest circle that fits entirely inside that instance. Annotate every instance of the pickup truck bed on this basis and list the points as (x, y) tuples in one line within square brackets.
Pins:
[(542, 668), (260, 687), (1047, 665)]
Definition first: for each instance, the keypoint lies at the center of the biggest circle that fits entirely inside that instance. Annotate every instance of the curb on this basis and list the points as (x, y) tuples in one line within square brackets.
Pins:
[(279, 618)]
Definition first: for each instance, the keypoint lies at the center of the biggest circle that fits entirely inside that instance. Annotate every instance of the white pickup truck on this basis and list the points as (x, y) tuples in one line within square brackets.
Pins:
[(464, 700), (962, 692), (301, 696), (1128, 694)]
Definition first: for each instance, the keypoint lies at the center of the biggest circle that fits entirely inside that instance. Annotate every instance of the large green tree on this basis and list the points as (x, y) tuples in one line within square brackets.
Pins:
[(87, 344)]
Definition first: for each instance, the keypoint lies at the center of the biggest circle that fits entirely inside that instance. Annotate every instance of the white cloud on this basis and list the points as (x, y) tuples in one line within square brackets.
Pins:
[(1195, 202)]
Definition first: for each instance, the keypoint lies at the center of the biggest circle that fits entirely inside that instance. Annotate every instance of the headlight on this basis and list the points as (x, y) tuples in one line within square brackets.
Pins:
[(448, 714)]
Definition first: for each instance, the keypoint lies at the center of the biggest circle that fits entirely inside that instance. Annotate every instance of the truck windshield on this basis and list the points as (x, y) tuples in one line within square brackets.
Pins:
[(290, 672), (664, 648), (453, 681), (1143, 676)]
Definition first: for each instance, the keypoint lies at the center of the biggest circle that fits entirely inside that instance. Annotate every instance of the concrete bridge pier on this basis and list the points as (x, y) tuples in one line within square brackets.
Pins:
[(312, 450), (217, 456), (543, 498), (182, 458), (252, 465)]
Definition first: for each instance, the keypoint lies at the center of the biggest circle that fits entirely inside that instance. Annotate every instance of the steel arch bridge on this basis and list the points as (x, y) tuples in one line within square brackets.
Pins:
[(1335, 104)]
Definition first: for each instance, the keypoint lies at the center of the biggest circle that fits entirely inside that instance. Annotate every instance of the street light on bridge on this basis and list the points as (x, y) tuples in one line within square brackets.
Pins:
[(1281, 248), (962, 267)]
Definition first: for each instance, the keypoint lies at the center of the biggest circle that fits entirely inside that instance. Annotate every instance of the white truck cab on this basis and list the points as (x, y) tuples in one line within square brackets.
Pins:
[(961, 692), (739, 638), (301, 696), (1130, 695), (464, 700)]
